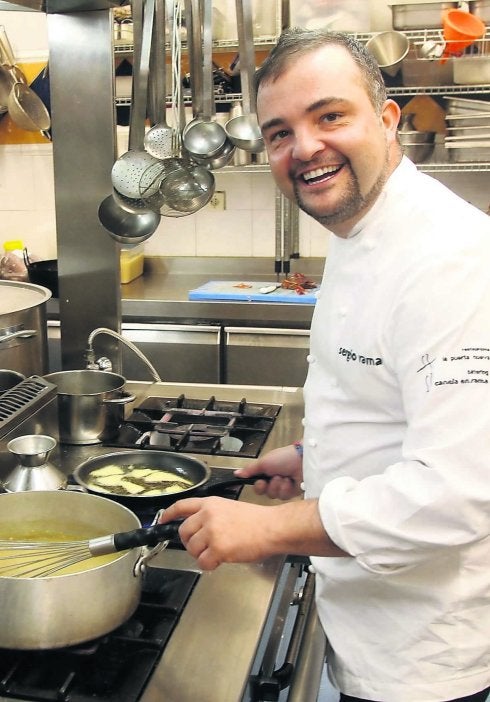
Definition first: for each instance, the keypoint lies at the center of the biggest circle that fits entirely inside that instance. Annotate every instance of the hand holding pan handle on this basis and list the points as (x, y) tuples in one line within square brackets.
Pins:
[(153, 535)]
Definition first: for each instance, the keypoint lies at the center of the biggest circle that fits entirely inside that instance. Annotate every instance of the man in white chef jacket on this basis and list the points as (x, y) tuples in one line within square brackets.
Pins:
[(395, 457)]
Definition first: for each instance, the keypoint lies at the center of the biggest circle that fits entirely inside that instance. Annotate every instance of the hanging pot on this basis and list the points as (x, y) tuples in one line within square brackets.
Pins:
[(90, 405), (43, 273), (23, 327)]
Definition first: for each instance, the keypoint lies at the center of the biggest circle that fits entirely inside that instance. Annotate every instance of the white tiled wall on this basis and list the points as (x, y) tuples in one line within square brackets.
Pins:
[(244, 228)]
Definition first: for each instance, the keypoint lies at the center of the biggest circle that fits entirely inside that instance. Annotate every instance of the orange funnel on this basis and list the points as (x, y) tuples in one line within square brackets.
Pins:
[(460, 29)]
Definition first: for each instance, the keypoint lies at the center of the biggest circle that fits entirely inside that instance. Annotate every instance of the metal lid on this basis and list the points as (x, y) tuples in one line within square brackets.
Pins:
[(15, 297)]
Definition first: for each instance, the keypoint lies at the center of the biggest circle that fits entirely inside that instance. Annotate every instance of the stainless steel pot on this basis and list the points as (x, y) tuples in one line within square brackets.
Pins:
[(23, 327), (90, 405), (58, 611)]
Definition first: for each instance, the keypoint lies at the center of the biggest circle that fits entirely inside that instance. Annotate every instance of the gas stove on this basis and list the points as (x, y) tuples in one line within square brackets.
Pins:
[(218, 646), (208, 426), (112, 668)]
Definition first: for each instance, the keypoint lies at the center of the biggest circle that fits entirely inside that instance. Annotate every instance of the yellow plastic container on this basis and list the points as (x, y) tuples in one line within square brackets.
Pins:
[(132, 263)]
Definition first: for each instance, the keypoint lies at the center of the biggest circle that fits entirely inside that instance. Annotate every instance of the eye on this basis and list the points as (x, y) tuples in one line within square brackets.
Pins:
[(330, 117), (275, 137)]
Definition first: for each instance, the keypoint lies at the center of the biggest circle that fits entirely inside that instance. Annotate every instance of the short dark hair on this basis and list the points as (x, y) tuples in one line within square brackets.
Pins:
[(297, 41)]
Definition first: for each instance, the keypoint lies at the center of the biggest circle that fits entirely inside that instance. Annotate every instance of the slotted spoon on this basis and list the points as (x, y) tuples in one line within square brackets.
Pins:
[(158, 141), (128, 168)]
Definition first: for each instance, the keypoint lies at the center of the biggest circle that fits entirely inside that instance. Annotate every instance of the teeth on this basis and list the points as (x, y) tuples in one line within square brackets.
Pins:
[(320, 172)]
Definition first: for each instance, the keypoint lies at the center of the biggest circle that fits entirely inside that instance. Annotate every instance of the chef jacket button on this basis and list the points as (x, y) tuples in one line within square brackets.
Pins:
[(312, 442), (343, 311), (302, 487), (303, 421), (312, 569), (310, 358), (334, 382)]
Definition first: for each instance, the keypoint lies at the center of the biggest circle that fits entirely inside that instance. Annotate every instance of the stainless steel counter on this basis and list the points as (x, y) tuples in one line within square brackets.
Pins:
[(212, 650), (161, 293)]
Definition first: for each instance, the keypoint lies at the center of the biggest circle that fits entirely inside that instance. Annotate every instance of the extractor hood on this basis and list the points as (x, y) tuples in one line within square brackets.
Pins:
[(62, 6)]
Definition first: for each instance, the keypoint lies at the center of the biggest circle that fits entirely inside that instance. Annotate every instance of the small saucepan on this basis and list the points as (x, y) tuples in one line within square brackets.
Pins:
[(90, 405), (139, 478)]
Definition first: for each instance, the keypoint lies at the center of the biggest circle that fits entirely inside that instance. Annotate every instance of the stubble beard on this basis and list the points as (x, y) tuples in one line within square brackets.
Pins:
[(351, 204)]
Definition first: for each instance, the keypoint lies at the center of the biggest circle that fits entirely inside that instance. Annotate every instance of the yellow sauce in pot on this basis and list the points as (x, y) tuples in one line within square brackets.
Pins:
[(25, 563)]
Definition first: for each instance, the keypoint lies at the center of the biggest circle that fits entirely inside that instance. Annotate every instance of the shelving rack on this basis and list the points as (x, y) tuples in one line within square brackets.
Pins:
[(267, 42)]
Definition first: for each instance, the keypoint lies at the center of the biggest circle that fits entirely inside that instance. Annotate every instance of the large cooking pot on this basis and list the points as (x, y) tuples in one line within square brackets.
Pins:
[(23, 327), (90, 405), (193, 477), (64, 610)]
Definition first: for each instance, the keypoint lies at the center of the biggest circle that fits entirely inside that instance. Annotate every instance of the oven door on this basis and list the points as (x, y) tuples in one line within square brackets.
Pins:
[(290, 659)]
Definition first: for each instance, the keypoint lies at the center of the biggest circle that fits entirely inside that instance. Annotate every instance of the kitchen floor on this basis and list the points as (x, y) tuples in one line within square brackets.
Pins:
[(327, 692)]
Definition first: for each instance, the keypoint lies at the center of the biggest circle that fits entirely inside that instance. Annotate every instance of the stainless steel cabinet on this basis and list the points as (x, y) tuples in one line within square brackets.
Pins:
[(54, 346), (180, 352), (256, 356)]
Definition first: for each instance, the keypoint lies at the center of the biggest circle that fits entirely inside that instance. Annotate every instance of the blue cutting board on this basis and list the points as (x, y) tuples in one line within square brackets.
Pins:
[(227, 290)]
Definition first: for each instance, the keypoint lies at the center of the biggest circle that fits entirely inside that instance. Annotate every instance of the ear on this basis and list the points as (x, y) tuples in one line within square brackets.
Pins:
[(390, 116)]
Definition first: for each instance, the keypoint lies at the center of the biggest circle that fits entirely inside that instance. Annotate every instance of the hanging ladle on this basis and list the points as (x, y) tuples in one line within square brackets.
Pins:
[(27, 109), (128, 168), (130, 221), (159, 140), (184, 187), (224, 154), (6, 84), (7, 58), (244, 130), (206, 138)]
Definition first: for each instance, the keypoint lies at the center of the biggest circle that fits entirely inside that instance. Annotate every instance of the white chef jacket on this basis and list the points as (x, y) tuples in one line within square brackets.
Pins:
[(397, 446)]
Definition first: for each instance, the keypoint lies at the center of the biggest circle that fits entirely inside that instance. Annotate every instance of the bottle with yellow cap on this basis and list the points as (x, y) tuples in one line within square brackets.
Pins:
[(12, 265)]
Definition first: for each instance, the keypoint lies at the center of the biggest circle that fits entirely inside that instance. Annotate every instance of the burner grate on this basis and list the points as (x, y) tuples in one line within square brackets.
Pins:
[(206, 427), (114, 668)]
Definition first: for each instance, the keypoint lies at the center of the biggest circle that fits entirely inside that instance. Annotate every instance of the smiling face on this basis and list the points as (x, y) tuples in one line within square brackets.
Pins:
[(328, 148)]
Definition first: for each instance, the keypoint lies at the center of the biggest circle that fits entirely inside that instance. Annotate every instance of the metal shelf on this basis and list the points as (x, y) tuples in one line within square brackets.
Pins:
[(454, 167), (425, 167), (401, 90), (392, 91)]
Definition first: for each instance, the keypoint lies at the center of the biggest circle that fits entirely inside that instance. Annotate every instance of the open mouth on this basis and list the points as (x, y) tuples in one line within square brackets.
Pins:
[(320, 175)]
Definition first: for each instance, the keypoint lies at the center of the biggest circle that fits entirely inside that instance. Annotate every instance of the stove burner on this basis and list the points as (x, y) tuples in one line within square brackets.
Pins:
[(110, 669), (200, 426)]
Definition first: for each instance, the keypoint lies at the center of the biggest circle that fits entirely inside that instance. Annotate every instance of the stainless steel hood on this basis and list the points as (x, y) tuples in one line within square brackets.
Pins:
[(62, 6)]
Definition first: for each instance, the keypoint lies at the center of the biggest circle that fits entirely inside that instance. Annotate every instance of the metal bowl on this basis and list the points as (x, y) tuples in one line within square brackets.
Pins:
[(389, 49), (416, 137), (418, 153)]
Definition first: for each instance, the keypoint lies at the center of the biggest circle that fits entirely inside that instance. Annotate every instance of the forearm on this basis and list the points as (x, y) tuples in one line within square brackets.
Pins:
[(296, 528)]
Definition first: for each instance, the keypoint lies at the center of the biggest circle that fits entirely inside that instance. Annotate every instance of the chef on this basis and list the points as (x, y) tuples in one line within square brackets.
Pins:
[(394, 461)]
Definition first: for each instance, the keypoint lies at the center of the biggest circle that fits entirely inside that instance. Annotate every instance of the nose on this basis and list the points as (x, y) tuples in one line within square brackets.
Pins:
[(307, 143)]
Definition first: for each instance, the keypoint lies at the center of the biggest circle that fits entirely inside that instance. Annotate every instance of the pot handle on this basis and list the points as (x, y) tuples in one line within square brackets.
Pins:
[(21, 333), (148, 553), (123, 400)]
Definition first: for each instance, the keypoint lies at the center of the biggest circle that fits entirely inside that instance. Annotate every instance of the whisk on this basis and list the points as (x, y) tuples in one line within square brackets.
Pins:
[(39, 559)]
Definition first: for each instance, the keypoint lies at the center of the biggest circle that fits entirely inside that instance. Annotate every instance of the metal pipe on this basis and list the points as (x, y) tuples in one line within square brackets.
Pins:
[(102, 330)]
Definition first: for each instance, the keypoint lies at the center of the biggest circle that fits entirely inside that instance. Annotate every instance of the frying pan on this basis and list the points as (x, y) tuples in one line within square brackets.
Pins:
[(204, 480)]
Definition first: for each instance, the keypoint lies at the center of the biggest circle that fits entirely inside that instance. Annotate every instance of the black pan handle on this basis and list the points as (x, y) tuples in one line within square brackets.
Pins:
[(149, 536), (217, 481)]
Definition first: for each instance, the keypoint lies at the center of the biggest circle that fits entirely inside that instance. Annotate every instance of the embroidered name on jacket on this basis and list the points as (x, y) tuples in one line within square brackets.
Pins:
[(351, 355)]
